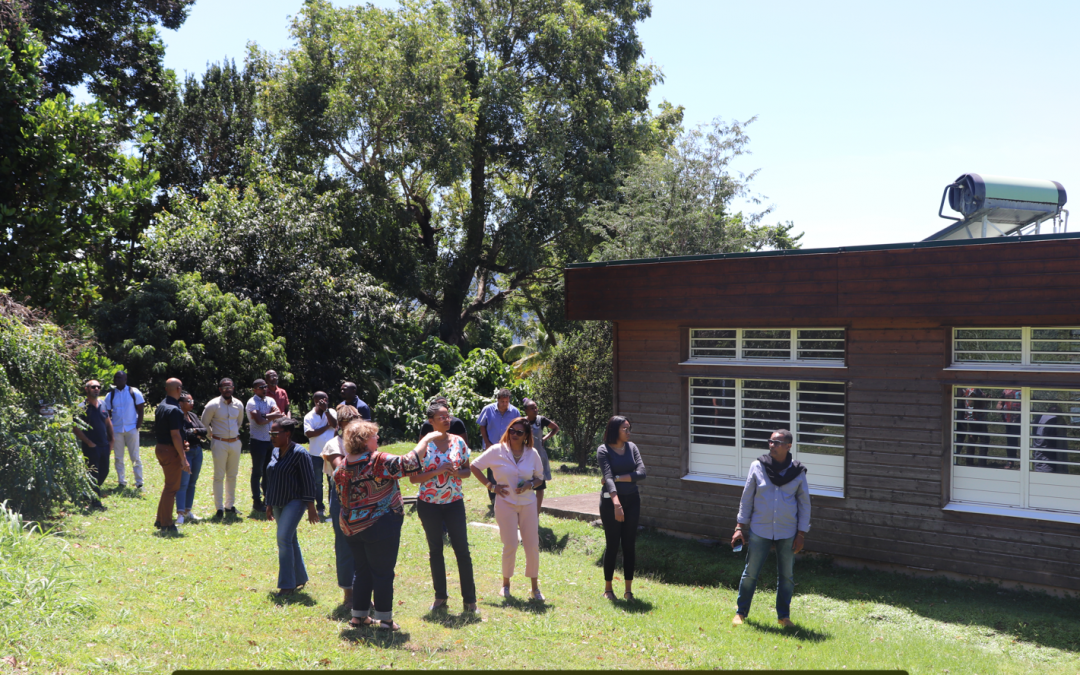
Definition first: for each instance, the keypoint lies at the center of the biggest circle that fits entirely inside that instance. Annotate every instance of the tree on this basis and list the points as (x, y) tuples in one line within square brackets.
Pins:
[(471, 132), (72, 204), (41, 463), (208, 131), (110, 45), (575, 386), (188, 328), (277, 245), (678, 201)]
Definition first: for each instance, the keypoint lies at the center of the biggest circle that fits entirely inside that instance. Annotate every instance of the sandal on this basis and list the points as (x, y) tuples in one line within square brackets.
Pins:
[(628, 596), (471, 608), (438, 604), (358, 622), (609, 595), (386, 624)]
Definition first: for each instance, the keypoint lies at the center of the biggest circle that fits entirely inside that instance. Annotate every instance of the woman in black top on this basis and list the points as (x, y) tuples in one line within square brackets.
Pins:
[(195, 435), (290, 488), (620, 506)]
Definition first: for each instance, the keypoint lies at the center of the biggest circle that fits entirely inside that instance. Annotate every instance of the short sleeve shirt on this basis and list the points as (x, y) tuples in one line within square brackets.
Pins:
[(167, 417), (281, 397), (120, 404), (495, 421), (444, 488), (510, 472), (260, 432), (95, 417), (312, 421)]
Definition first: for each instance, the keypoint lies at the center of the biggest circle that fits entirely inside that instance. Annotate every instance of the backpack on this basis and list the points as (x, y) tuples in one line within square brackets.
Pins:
[(110, 397)]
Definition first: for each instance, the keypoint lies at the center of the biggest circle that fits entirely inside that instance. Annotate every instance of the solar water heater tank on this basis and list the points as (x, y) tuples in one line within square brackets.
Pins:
[(998, 205)]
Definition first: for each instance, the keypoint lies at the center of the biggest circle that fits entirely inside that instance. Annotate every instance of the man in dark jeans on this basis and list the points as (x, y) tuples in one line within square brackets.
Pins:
[(262, 410), (97, 440)]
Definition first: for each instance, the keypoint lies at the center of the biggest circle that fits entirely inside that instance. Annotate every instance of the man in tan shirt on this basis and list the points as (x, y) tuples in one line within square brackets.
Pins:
[(222, 417)]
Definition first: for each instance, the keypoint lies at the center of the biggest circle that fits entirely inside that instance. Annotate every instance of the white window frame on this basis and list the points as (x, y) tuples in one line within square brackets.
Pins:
[(825, 472), (793, 351), (967, 499), (1025, 364)]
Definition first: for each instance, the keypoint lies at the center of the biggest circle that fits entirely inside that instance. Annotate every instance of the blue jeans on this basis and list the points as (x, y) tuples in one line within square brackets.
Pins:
[(346, 569), (291, 570), (785, 580), (186, 497)]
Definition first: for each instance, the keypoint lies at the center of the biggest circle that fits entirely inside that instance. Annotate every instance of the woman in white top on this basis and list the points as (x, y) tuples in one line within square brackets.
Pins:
[(518, 469)]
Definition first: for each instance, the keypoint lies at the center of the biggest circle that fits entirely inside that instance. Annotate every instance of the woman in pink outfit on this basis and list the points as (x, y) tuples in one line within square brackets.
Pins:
[(518, 469)]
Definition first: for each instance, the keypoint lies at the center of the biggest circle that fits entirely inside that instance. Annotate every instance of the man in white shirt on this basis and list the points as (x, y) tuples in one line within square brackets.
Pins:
[(262, 410), (222, 417), (124, 406), (320, 425)]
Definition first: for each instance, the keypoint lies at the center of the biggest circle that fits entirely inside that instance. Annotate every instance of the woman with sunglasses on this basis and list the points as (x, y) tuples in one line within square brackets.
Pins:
[(290, 489), (620, 506), (518, 469)]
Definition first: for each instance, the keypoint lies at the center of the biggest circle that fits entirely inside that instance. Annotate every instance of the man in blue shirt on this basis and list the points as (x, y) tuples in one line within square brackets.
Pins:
[(494, 420), (775, 507)]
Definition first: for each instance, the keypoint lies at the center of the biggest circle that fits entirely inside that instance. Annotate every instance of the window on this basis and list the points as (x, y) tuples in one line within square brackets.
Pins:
[(1034, 347), (731, 421), (806, 346), (1017, 448)]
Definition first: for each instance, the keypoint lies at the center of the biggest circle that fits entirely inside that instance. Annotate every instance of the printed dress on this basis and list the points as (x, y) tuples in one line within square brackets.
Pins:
[(444, 488), (368, 488)]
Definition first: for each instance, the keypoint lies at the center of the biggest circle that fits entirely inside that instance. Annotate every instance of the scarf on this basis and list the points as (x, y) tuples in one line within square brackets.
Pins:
[(773, 469)]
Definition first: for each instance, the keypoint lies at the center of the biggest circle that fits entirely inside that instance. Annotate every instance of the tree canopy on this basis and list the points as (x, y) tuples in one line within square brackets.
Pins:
[(472, 137)]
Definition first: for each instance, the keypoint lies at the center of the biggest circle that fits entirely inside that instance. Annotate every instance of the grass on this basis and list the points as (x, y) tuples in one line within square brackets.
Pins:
[(203, 600)]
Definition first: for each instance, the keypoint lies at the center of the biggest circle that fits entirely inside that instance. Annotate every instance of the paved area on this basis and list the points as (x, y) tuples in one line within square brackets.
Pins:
[(578, 507)]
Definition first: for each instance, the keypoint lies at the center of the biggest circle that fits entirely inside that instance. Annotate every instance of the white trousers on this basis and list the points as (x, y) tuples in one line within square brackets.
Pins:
[(130, 440), (226, 466)]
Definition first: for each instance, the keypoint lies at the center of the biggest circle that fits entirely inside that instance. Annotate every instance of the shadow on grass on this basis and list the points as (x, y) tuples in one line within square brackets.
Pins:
[(127, 492), (797, 631), (342, 612), (448, 620), (375, 637), (528, 606), (550, 543), (1025, 616), (295, 598), (635, 606)]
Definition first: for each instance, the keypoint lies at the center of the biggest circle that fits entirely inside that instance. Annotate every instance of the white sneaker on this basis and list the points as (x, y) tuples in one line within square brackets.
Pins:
[(179, 521), (191, 518)]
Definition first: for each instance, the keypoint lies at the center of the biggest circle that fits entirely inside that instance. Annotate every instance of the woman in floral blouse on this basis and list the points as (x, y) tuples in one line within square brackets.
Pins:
[(441, 505), (371, 517)]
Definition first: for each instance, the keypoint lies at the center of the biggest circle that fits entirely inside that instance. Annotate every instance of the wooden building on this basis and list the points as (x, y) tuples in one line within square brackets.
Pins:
[(933, 390)]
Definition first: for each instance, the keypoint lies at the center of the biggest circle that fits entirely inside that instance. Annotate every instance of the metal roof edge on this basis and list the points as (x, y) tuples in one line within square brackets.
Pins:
[(821, 251)]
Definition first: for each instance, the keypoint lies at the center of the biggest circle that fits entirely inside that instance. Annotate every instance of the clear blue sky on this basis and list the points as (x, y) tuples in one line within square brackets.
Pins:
[(866, 110)]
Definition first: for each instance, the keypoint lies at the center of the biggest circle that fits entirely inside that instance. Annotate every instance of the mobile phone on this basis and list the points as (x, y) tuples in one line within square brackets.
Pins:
[(737, 548)]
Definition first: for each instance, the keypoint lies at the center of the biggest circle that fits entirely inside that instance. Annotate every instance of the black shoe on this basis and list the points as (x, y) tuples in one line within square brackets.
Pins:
[(218, 516), (96, 505), (157, 524), (138, 486), (170, 530), (231, 510), (122, 486), (259, 506)]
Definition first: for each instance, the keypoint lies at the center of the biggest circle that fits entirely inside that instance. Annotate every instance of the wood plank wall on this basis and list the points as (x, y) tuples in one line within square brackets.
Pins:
[(898, 400)]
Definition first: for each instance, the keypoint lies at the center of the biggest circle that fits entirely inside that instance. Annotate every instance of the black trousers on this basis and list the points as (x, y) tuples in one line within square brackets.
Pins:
[(375, 552), (434, 517), (320, 478), (624, 533), (261, 453), (97, 461)]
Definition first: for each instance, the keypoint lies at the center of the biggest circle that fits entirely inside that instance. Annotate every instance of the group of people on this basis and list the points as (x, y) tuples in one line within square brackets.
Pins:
[(366, 504)]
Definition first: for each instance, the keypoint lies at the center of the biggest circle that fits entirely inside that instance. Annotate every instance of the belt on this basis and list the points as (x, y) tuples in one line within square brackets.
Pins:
[(225, 440)]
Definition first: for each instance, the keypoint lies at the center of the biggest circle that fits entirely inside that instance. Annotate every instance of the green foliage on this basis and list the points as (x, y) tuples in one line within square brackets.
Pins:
[(575, 386), (71, 202), (188, 328), (91, 363), (208, 131), (678, 201), (277, 245), (468, 385), (36, 587), (112, 46), (471, 134), (41, 463)]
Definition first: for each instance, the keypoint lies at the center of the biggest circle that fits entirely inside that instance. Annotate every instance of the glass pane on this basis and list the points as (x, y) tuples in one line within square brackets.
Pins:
[(821, 418), (986, 427), (712, 344), (820, 345), (1054, 434), (766, 407), (712, 411), (987, 345)]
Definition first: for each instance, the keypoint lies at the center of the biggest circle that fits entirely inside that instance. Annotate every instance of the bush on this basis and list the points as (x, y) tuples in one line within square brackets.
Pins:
[(41, 463), (184, 327), (574, 387)]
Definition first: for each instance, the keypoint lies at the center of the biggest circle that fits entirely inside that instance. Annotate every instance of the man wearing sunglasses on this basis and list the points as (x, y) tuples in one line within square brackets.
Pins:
[(96, 439), (775, 507)]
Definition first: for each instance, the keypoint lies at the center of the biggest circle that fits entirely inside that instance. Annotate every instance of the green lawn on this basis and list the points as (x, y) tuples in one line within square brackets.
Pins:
[(203, 600)]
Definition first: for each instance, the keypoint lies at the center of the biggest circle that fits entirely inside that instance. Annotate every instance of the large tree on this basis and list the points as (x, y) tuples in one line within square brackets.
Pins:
[(473, 133), (680, 200)]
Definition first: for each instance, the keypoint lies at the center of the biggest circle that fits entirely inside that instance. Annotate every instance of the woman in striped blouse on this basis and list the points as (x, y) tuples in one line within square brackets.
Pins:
[(290, 487), (371, 516)]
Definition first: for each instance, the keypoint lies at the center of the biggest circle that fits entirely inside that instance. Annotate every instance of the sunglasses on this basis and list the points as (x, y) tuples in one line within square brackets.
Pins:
[(281, 431), (772, 442), (93, 386), (515, 432)]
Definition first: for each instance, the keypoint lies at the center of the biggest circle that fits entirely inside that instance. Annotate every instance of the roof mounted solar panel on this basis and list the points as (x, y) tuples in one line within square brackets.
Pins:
[(994, 206)]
